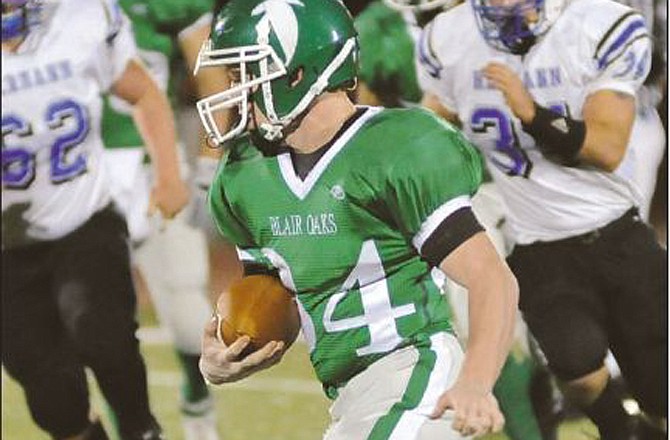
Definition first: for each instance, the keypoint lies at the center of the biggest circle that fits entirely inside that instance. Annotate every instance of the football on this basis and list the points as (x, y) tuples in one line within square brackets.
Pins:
[(260, 307)]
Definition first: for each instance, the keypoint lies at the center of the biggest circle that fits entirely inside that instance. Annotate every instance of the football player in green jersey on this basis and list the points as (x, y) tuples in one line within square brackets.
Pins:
[(172, 261), (351, 207), (388, 31)]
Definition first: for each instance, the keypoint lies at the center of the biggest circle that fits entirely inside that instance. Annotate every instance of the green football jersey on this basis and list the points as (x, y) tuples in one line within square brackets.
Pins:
[(387, 39), (345, 238), (156, 25)]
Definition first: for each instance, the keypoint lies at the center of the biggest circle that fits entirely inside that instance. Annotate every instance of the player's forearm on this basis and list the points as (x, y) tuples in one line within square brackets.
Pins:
[(154, 118), (609, 118), (492, 312), (599, 140)]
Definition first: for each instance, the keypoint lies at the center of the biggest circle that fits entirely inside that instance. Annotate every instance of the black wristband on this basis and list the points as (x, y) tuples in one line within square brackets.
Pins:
[(559, 138)]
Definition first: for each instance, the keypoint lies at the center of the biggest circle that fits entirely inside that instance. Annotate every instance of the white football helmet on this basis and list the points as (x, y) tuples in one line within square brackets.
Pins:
[(506, 24)]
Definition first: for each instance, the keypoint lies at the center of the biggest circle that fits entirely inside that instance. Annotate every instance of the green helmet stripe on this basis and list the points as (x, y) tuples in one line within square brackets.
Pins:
[(321, 83)]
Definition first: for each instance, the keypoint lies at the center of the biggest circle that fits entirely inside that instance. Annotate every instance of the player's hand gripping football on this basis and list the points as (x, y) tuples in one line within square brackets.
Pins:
[(168, 196), (510, 84), (220, 363), (476, 410)]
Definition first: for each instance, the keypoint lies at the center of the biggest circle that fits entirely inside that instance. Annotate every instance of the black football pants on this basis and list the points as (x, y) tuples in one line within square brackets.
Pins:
[(606, 289), (67, 304)]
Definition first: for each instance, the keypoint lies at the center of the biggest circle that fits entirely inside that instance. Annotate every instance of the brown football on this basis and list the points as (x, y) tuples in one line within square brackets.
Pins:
[(260, 307)]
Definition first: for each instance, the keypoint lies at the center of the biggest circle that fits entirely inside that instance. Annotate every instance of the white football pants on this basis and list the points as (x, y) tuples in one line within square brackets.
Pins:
[(172, 255), (366, 405)]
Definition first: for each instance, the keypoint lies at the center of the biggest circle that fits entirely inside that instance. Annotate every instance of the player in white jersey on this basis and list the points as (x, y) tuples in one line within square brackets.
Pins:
[(546, 89), (645, 157), (68, 299)]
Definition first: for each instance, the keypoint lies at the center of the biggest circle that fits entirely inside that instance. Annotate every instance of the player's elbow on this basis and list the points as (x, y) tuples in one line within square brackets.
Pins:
[(605, 147), (611, 164), (609, 124), (615, 156), (608, 158), (503, 284)]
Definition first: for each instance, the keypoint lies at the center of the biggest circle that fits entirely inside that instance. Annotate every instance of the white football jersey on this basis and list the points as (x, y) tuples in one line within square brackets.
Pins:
[(52, 178), (644, 158), (594, 45)]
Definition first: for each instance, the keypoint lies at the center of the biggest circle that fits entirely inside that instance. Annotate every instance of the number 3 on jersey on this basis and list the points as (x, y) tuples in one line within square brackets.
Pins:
[(509, 157), (19, 163)]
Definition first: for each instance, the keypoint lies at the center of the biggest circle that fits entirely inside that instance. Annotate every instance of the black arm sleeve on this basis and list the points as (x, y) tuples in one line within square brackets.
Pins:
[(452, 232)]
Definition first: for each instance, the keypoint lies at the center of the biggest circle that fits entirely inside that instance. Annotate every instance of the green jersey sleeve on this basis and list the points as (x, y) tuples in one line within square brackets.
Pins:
[(441, 170), (221, 211)]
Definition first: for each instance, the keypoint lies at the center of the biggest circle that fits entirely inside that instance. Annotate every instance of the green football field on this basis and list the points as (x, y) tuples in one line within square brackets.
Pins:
[(283, 403)]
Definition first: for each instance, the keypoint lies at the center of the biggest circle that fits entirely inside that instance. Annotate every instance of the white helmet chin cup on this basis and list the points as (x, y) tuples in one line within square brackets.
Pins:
[(271, 132)]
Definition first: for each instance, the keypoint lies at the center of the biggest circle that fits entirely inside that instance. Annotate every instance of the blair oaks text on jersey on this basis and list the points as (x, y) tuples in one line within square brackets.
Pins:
[(312, 224)]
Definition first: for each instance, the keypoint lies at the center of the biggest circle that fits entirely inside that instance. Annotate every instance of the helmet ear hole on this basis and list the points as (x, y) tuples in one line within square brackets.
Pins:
[(295, 77)]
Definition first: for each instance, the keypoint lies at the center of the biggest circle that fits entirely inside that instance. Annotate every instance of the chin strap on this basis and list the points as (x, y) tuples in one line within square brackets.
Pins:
[(517, 36), (271, 132)]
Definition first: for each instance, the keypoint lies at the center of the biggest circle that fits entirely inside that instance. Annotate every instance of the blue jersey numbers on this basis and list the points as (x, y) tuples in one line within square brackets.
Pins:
[(18, 163), (509, 156), (66, 163), (69, 121)]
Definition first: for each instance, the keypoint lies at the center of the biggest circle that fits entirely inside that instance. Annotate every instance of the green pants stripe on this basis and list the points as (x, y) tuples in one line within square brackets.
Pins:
[(416, 388)]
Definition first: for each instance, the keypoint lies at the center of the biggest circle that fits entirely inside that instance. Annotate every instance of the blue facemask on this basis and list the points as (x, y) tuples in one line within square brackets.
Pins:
[(505, 27), (13, 24)]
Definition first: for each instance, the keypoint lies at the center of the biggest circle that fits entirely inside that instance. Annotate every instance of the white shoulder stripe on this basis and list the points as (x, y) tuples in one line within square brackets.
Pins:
[(437, 217)]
